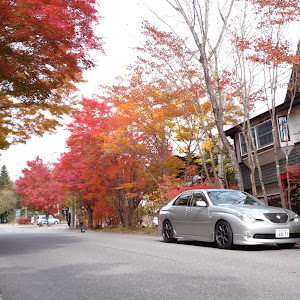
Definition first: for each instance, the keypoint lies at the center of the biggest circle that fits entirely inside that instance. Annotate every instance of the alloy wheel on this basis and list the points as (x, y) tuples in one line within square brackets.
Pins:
[(223, 235), (168, 232)]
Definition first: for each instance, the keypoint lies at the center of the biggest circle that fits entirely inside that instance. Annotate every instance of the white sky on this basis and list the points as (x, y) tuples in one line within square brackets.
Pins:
[(120, 29)]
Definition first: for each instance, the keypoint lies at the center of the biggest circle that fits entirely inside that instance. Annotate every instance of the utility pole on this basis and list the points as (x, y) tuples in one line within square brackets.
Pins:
[(72, 211)]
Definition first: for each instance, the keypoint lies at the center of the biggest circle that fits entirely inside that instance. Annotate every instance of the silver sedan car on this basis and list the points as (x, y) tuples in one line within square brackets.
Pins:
[(227, 217)]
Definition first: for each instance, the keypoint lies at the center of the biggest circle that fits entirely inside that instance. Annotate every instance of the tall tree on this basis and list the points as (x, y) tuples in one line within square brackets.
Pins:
[(144, 118), (98, 170), (38, 187), (8, 196), (210, 25), (8, 201), (79, 168), (44, 48), (198, 18), (169, 59), (245, 77), (4, 178), (270, 49)]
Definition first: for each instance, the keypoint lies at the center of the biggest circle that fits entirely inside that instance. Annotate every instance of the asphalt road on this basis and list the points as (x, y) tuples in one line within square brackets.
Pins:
[(58, 263)]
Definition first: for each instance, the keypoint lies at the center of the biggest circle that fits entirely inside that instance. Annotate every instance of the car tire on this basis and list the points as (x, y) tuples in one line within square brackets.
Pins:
[(55, 222), (223, 235), (286, 246), (168, 232)]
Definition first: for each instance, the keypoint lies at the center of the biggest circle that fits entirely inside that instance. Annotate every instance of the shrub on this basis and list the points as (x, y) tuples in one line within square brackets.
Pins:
[(24, 221), (181, 189)]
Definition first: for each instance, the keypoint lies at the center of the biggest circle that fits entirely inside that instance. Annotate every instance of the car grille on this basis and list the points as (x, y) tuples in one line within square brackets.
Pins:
[(277, 217), (272, 236)]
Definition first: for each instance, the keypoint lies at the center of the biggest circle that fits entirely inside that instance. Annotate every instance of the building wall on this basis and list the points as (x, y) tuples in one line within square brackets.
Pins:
[(269, 170), (294, 125)]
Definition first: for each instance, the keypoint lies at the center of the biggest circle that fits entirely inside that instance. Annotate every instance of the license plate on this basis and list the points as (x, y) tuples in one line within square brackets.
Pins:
[(282, 233)]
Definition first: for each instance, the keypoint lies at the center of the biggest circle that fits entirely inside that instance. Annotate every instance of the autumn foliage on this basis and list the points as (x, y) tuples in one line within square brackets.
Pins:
[(294, 171), (103, 162), (38, 187), (150, 134), (43, 50)]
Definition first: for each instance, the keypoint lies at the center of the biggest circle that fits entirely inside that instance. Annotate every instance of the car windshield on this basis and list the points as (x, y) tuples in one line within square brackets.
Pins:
[(232, 198)]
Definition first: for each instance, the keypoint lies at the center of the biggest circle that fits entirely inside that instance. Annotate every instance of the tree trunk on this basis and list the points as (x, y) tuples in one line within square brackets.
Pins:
[(214, 169), (276, 146), (247, 138), (214, 95), (221, 170), (293, 94), (204, 165)]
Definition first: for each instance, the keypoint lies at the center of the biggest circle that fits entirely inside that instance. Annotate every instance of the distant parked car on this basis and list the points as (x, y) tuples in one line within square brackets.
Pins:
[(51, 220), (227, 217)]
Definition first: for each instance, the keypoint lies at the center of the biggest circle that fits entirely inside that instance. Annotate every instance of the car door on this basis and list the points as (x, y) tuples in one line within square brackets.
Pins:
[(177, 212), (197, 218)]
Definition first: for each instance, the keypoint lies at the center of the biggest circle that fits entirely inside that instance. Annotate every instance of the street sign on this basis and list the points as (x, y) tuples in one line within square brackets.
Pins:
[(18, 213)]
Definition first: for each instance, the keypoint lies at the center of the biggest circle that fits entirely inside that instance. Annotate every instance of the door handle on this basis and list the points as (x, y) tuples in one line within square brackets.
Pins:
[(189, 210)]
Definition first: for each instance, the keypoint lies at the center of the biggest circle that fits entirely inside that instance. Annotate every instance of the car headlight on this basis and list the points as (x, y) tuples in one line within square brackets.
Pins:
[(244, 217), (296, 219)]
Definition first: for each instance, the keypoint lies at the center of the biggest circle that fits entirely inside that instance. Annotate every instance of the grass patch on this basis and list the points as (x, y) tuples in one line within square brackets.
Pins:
[(131, 230)]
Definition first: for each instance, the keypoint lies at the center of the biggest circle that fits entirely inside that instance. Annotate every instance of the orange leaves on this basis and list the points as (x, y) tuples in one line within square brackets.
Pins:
[(104, 211), (268, 52), (241, 43), (268, 45), (177, 191), (164, 41), (278, 11)]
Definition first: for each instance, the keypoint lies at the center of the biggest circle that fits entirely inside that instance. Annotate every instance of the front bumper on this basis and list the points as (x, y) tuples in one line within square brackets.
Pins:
[(260, 233)]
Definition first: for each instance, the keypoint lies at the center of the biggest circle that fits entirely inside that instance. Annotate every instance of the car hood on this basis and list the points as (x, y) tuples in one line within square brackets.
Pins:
[(256, 211)]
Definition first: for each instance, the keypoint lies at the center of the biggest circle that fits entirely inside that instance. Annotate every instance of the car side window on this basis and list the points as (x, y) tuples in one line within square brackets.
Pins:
[(197, 197), (182, 200)]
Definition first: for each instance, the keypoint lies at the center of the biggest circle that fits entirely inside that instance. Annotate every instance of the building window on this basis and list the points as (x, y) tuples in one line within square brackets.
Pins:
[(264, 134), (243, 143), (283, 128)]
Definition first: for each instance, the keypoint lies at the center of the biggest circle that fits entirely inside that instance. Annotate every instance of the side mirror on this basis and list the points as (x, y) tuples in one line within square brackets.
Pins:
[(201, 203)]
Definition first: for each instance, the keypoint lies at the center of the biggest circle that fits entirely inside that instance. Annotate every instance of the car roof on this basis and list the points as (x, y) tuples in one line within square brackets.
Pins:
[(210, 190)]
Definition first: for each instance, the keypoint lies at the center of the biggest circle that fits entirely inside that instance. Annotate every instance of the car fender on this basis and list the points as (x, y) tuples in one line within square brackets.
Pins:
[(230, 218), (164, 215)]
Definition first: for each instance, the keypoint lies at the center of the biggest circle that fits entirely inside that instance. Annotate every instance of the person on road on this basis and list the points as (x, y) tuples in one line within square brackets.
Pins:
[(69, 219), (82, 219)]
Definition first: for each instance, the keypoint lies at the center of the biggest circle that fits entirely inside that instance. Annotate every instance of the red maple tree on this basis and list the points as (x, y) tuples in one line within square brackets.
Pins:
[(45, 46), (38, 188), (97, 169)]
